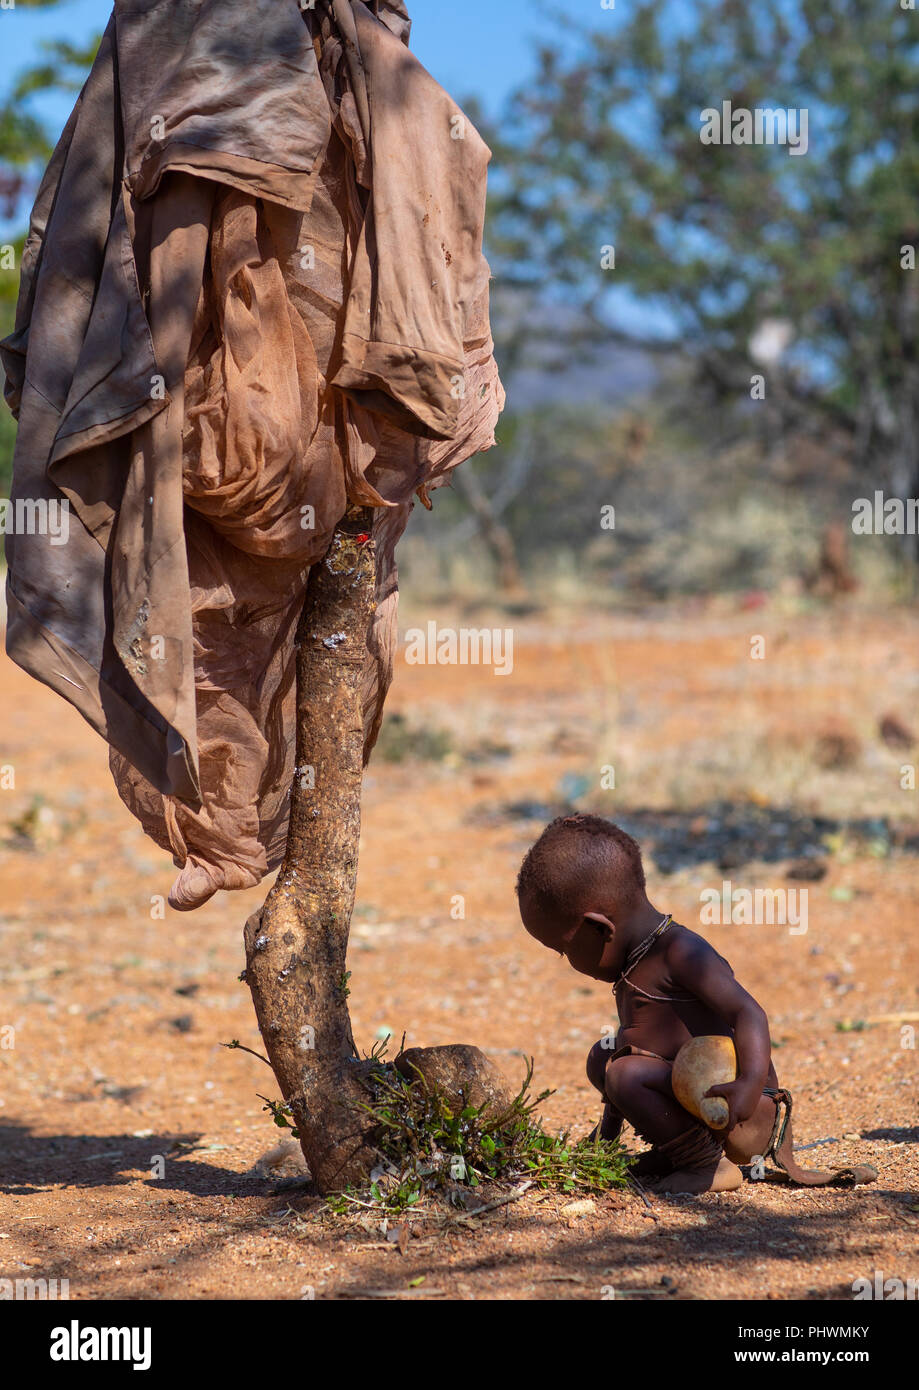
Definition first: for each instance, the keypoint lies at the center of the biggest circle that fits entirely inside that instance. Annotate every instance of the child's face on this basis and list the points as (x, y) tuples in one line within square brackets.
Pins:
[(587, 942)]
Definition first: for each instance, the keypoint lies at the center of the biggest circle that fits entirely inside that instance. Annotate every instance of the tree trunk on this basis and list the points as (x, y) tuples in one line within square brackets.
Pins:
[(296, 944), (494, 533)]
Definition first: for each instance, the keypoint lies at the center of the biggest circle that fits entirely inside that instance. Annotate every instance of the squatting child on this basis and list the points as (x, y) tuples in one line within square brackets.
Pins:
[(582, 892)]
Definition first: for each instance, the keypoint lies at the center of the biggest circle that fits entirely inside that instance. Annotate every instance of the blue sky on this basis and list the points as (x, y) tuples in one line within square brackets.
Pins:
[(481, 48), (470, 46)]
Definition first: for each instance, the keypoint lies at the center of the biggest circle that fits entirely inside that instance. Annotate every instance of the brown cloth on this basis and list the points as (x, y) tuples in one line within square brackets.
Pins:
[(252, 292), (781, 1151)]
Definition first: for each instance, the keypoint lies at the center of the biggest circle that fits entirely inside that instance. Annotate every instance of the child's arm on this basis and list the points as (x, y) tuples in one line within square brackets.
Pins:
[(693, 964)]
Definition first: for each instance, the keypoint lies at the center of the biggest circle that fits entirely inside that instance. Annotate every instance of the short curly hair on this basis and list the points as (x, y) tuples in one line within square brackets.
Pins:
[(578, 856)]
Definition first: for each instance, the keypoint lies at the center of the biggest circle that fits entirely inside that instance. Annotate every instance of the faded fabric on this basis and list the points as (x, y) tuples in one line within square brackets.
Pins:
[(253, 292)]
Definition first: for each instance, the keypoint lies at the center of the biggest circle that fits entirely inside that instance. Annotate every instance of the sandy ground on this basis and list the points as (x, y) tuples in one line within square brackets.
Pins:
[(119, 1015)]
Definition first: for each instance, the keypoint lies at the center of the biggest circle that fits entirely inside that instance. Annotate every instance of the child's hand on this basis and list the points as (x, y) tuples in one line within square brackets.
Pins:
[(742, 1099)]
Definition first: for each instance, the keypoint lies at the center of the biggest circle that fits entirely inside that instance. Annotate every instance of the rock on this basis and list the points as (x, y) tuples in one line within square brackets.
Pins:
[(836, 745), (573, 1210), (806, 871), (895, 733), (286, 1157), (460, 1072)]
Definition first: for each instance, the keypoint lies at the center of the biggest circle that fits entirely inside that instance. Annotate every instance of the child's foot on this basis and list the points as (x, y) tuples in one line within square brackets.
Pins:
[(698, 1164), (723, 1176)]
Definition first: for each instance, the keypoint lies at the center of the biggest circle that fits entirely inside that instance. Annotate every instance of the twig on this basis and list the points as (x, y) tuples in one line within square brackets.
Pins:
[(636, 1183), (235, 1046), (356, 1201), (394, 1293), (501, 1201)]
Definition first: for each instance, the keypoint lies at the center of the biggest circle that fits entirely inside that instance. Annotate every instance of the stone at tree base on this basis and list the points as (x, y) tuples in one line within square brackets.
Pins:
[(459, 1072), (573, 1211)]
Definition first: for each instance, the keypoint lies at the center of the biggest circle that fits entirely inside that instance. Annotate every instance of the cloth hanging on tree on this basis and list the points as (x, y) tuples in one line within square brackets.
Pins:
[(252, 292)]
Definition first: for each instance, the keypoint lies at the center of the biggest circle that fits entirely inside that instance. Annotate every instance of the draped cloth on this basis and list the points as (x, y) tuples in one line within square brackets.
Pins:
[(252, 294)]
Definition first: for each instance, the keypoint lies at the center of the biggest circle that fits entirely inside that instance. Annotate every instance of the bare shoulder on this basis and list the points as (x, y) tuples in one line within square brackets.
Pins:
[(687, 949)]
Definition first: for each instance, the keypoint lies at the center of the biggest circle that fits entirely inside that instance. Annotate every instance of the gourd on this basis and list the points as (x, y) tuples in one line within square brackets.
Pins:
[(700, 1063)]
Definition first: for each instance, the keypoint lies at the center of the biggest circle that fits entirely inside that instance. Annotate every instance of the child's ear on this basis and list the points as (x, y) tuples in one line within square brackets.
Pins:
[(599, 917)]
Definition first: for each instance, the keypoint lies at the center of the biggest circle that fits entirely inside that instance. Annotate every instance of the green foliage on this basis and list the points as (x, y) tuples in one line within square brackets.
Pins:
[(9, 290), (281, 1114), (25, 140), (22, 137), (427, 1146), (25, 828), (401, 741), (64, 70), (25, 145), (7, 444), (9, 286)]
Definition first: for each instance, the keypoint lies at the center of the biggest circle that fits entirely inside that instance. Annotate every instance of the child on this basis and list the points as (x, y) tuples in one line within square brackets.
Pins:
[(581, 892)]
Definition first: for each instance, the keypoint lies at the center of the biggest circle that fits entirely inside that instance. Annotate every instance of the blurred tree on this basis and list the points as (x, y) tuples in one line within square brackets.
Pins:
[(755, 260), (26, 145), (24, 139)]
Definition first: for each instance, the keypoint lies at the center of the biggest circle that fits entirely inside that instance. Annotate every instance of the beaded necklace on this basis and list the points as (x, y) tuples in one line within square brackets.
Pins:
[(637, 954)]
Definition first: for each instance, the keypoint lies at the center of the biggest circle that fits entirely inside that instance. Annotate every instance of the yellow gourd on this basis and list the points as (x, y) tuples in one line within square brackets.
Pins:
[(702, 1062)]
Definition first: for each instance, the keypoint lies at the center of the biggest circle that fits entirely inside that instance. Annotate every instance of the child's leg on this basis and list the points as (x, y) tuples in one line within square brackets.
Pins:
[(639, 1088), (611, 1121)]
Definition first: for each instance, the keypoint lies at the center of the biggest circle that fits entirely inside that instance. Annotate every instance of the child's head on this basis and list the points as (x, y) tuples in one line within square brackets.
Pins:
[(581, 878)]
